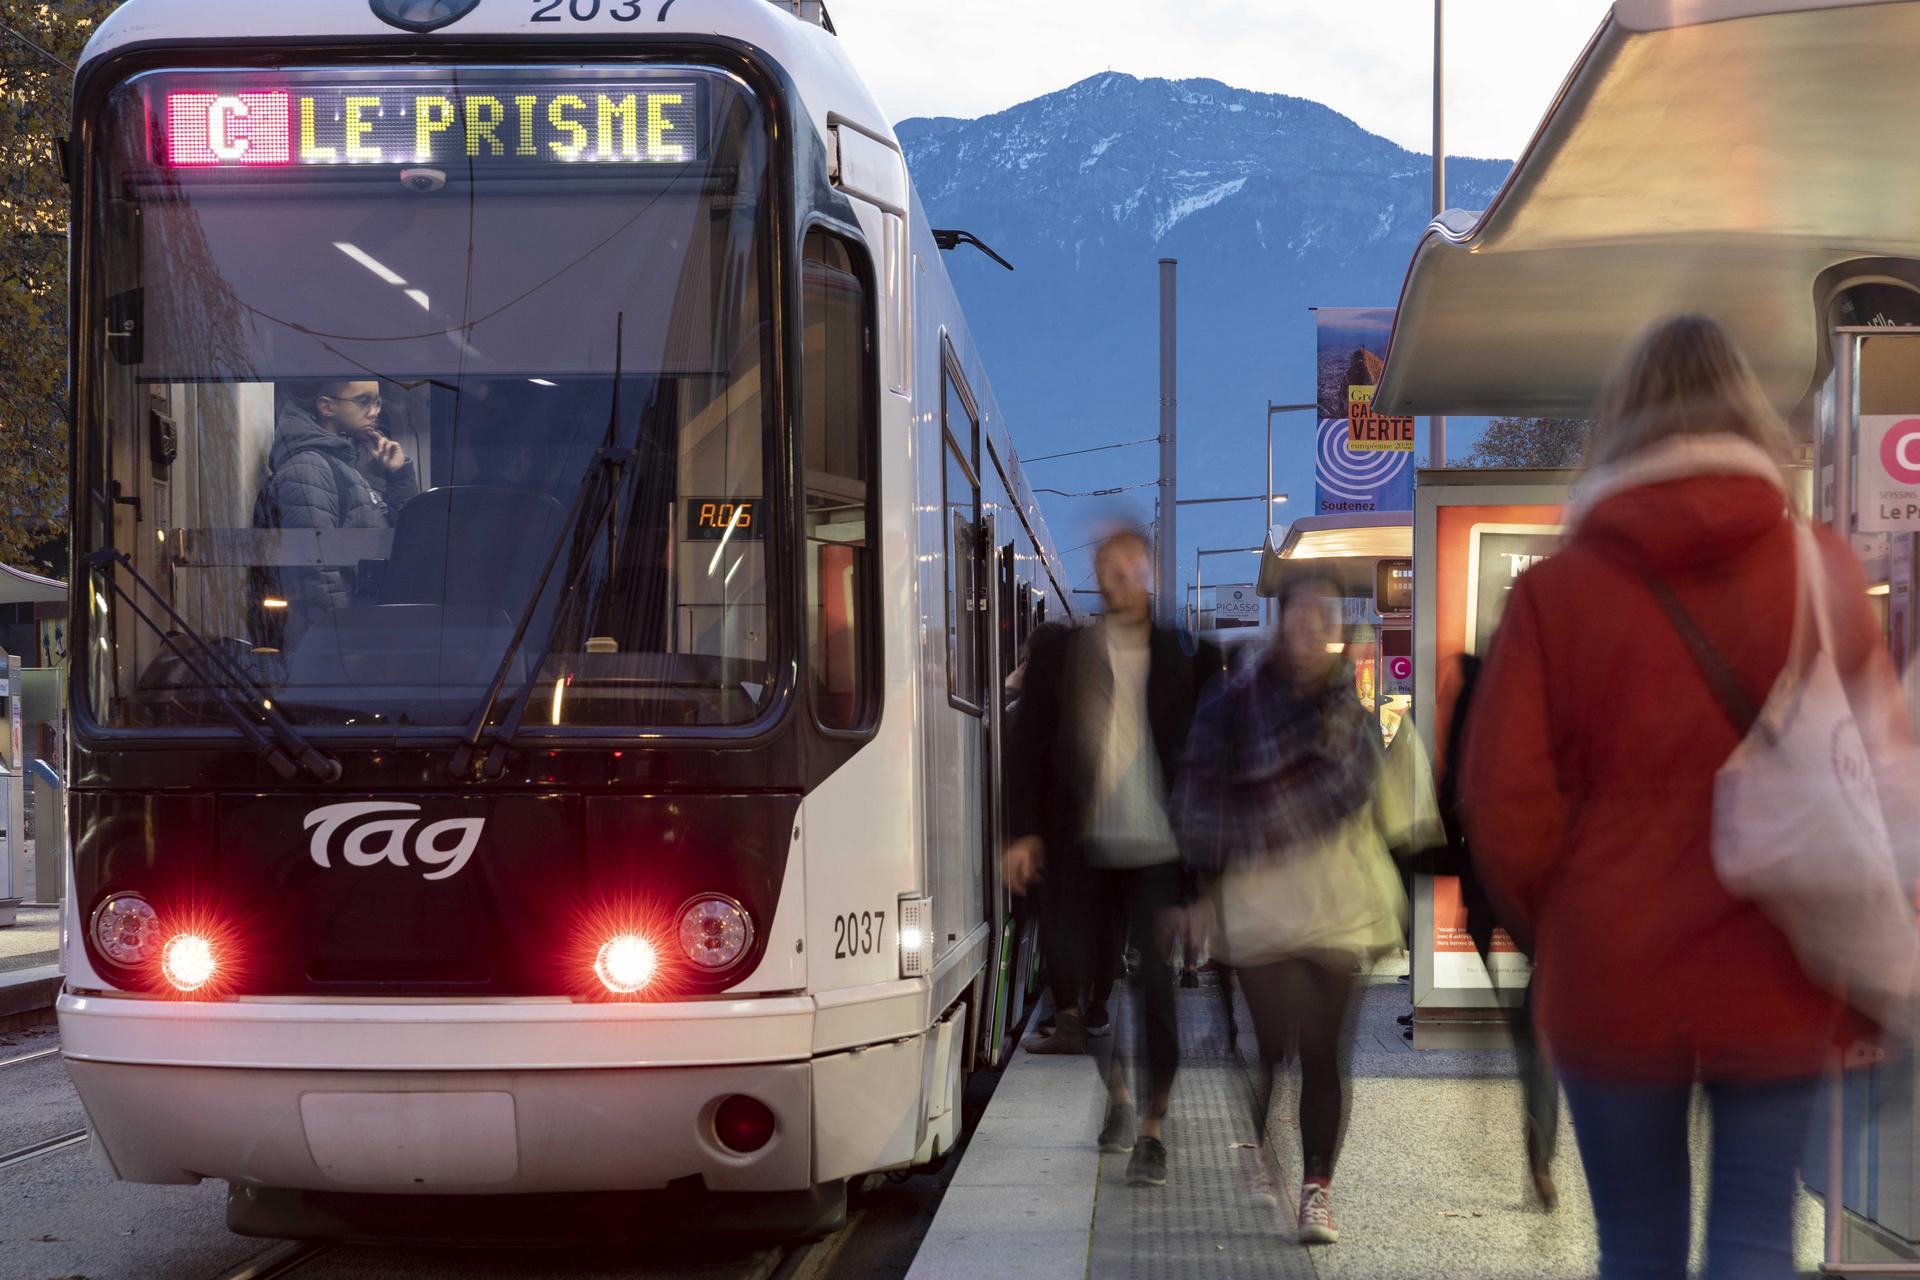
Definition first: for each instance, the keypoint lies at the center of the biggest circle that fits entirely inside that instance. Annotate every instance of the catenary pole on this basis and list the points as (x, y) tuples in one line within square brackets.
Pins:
[(1437, 425), (1166, 543)]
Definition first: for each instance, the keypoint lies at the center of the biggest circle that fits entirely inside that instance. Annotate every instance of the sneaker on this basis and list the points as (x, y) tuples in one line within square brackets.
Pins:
[(1068, 1036), (1098, 1021), (1148, 1168), (1044, 1027), (1116, 1135), (1316, 1215)]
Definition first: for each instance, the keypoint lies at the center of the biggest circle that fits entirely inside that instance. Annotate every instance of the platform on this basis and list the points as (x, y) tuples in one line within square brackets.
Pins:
[(1432, 1181), (30, 965)]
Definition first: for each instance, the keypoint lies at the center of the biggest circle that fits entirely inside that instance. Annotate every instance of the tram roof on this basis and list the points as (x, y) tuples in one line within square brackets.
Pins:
[(796, 40), (1741, 158)]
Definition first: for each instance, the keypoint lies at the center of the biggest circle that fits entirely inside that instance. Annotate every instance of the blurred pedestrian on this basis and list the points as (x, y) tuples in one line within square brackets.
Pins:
[(1540, 1091), (1280, 808), (1589, 789), (1104, 711)]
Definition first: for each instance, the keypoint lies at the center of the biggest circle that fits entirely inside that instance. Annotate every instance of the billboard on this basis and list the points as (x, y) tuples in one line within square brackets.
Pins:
[(1363, 461)]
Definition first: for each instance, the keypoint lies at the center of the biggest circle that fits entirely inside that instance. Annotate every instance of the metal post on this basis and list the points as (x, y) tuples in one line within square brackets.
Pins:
[(1168, 541), (1266, 528), (1196, 591), (1437, 425), (1844, 417)]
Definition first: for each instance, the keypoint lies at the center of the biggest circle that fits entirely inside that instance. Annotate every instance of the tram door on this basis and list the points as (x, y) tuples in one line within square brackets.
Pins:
[(964, 780)]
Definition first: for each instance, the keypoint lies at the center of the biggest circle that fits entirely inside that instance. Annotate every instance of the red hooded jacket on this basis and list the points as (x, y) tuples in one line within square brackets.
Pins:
[(1589, 769)]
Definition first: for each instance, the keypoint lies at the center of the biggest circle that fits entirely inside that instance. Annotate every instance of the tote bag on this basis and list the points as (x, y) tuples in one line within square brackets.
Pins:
[(1799, 828)]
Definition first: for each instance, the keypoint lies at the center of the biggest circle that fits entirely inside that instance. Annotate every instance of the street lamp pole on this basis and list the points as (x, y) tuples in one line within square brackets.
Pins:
[(1266, 530)]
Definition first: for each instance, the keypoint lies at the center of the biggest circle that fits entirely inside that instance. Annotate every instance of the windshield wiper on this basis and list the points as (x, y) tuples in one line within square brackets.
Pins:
[(599, 484), (286, 752)]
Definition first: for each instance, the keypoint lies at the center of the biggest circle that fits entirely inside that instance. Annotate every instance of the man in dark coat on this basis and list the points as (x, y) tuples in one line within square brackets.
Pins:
[(331, 468), (1103, 721)]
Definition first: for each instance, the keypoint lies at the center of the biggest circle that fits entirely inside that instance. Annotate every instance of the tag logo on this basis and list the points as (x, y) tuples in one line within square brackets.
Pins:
[(373, 831)]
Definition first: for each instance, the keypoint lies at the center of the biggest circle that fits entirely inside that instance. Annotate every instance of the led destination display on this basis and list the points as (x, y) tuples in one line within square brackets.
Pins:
[(304, 123)]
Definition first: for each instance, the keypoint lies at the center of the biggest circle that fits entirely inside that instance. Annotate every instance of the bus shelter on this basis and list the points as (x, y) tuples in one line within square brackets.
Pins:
[(1734, 158)]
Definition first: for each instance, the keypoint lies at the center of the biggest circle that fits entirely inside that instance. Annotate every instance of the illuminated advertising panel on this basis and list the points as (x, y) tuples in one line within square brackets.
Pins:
[(312, 119)]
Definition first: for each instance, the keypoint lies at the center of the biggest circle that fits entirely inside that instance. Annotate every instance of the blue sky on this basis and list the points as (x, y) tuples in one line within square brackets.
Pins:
[(1369, 59)]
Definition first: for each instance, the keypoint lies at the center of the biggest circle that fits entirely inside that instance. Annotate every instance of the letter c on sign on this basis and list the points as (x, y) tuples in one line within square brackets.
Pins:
[(1900, 451), (220, 117)]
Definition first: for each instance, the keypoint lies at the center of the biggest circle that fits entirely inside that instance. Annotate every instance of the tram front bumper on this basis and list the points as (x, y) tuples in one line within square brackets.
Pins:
[(482, 1098)]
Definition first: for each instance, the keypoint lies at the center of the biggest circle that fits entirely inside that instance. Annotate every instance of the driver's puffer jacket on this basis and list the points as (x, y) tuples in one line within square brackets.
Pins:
[(316, 483)]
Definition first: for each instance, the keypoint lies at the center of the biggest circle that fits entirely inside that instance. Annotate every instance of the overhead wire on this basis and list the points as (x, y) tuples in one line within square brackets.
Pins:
[(1099, 448), (1100, 493)]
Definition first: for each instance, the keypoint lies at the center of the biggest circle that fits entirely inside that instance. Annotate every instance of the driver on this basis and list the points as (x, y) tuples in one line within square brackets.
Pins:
[(332, 468)]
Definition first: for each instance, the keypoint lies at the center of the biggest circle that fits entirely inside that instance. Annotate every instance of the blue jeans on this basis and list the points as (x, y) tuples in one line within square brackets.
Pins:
[(1633, 1143)]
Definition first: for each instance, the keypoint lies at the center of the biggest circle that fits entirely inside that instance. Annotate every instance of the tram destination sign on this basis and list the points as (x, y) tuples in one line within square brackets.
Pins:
[(300, 120)]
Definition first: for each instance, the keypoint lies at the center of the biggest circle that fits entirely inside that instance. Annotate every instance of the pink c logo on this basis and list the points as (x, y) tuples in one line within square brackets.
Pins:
[(1900, 451)]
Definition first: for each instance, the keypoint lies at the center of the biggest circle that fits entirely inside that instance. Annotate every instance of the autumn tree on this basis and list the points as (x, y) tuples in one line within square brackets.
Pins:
[(1529, 442), (38, 49)]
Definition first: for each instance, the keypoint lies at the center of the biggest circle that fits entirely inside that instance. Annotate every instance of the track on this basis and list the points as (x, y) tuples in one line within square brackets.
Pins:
[(35, 1150), (29, 1057), (795, 1262), (282, 1260)]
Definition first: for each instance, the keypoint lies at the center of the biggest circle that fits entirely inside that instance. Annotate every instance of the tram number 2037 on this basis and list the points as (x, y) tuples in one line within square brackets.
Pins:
[(589, 10), (858, 933)]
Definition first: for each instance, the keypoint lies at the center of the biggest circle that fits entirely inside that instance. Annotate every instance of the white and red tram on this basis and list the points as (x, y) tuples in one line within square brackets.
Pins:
[(547, 558)]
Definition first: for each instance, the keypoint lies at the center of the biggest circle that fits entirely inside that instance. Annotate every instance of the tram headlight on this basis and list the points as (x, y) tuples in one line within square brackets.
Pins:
[(126, 929), (715, 932), (626, 964), (188, 962)]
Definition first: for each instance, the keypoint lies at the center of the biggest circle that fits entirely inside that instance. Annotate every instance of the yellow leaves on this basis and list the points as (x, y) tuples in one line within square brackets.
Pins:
[(34, 98)]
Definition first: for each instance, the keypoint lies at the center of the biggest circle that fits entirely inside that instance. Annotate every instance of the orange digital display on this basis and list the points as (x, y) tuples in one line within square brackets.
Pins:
[(711, 519)]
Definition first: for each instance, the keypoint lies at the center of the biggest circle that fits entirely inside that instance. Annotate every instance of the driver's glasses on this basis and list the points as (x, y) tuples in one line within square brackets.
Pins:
[(367, 403)]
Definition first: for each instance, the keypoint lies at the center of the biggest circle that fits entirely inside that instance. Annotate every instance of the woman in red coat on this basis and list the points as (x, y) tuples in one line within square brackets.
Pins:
[(1588, 783)]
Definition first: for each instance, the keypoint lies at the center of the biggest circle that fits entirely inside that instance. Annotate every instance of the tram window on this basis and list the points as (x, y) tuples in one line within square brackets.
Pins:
[(966, 597), (274, 328), (838, 427)]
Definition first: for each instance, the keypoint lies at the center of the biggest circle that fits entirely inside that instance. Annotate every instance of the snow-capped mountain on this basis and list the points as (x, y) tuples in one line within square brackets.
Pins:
[(1272, 204)]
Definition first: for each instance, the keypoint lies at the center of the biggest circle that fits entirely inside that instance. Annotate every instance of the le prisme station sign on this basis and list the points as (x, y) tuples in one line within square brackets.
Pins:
[(1889, 473), (298, 120)]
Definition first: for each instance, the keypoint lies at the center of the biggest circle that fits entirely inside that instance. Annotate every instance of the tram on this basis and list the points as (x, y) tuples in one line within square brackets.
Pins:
[(547, 561)]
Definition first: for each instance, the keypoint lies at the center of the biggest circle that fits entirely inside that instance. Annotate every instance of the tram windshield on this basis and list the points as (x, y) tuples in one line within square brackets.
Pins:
[(363, 337)]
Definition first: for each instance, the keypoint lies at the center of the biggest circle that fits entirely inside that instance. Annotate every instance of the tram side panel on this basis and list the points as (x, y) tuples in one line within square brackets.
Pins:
[(872, 1106)]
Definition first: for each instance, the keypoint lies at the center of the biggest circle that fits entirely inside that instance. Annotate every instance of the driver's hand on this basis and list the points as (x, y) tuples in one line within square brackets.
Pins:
[(1023, 862), (389, 454)]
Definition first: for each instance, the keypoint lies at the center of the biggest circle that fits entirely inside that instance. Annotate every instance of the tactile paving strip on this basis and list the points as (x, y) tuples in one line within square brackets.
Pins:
[(1205, 1222)]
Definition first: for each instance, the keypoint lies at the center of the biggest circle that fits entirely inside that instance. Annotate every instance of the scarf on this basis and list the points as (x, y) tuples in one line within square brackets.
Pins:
[(1271, 764)]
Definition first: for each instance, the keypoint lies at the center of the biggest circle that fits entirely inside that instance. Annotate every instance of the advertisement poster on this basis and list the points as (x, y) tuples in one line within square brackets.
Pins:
[(1236, 606), (1481, 553), (1363, 461), (1498, 554)]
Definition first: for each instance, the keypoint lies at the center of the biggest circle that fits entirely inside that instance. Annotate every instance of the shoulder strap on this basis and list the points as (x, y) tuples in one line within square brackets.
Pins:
[(1727, 691)]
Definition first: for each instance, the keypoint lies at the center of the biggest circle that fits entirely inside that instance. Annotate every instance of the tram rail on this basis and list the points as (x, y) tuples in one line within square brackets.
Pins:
[(281, 1260), (45, 1147), (25, 1058)]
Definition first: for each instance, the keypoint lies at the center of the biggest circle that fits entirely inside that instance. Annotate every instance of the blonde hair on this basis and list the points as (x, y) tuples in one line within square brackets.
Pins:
[(1684, 376)]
